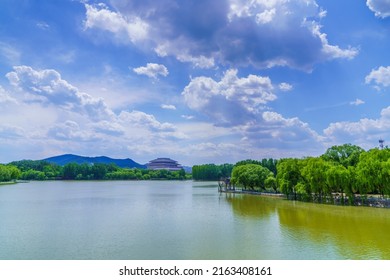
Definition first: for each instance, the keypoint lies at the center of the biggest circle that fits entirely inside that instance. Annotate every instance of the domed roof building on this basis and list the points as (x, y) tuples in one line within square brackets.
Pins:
[(164, 163)]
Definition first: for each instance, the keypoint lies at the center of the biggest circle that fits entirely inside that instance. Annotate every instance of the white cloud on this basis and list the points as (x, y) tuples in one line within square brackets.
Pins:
[(230, 32), (47, 87), (239, 104), (152, 70), (43, 25), (5, 97), (11, 132), (272, 130), (266, 16), (211, 150), (142, 119), (331, 51), (232, 100), (168, 107), (131, 29), (381, 8), (179, 48), (380, 77), (357, 102), (285, 87), (48, 112), (71, 130), (365, 132), (187, 117), (109, 128)]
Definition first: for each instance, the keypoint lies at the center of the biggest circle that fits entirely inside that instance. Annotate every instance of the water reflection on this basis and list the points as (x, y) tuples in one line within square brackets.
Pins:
[(251, 206), (350, 232)]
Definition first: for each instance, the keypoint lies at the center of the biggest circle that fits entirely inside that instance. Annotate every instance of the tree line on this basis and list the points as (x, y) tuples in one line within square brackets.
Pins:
[(213, 172), (9, 173), (43, 170), (344, 171)]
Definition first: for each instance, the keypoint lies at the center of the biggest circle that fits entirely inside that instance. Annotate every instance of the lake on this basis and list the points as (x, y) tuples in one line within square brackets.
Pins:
[(179, 220)]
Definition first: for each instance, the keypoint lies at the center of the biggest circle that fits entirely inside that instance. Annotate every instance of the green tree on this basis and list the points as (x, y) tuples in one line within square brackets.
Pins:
[(206, 172), (347, 154), (9, 173), (267, 163), (271, 183), (338, 178), (314, 172), (372, 176), (33, 175), (250, 176), (385, 176), (288, 175), (71, 170)]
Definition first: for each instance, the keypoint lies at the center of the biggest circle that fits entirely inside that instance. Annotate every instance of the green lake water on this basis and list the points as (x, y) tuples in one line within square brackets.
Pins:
[(179, 220)]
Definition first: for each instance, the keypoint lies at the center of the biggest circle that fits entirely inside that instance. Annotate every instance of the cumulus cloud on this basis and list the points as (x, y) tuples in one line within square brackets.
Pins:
[(71, 130), (142, 119), (47, 87), (240, 105), (230, 101), (365, 131), (381, 8), (331, 51), (152, 70), (212, 150), (11, 132), (109, 128), (127, 29), (5, 97), (232, 32), (380, 77), (45, 110), (168, 107), (266, 16), (275, 131), (285, 87)]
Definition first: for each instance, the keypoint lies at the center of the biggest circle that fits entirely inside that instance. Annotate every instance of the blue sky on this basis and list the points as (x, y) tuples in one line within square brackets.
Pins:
[(198, 81)]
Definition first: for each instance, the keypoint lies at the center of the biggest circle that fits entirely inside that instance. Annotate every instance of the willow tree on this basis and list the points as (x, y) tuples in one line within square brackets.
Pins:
[(337, 177), (346, 154), (9, 173), (250, 176), (371, 171), (288, 175), (314, 172)]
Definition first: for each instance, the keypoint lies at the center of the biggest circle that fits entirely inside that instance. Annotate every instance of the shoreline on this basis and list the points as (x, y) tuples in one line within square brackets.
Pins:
[(358, 200), (8, 183)]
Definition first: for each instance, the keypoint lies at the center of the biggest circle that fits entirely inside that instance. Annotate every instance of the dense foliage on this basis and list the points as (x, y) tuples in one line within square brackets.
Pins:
[(345, 170), (37, 170), (269, 163), (42, 170), (9, 173), (251, 176), (211, 172)]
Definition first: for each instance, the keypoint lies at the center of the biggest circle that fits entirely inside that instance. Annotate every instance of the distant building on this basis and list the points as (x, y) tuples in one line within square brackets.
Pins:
[(381, 141), (164, 163)]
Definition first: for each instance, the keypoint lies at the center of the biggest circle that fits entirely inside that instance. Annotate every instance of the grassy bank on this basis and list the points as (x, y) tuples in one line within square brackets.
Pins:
[(7, 183)]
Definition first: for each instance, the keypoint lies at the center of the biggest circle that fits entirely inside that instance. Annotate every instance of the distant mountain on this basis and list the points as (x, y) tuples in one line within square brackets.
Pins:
[(68, 158)]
